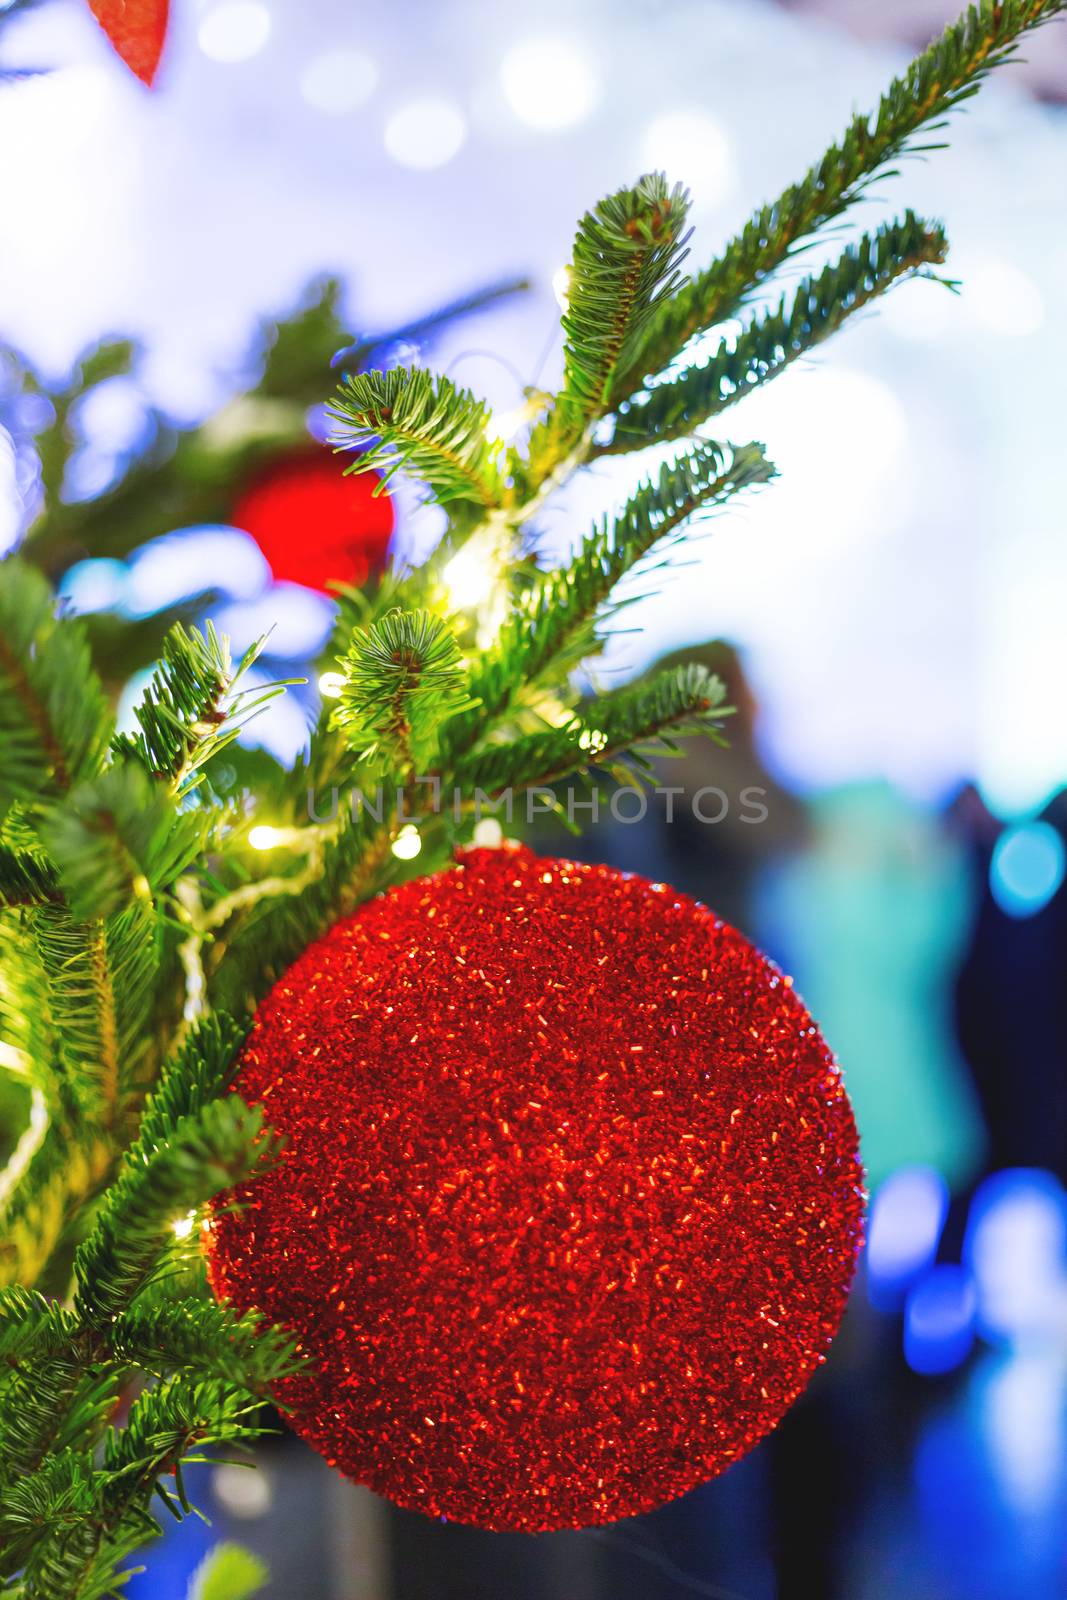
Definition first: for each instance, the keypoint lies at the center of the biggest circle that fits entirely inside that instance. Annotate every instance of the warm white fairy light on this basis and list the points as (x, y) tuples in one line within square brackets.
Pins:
[(182, 1227), (561, 286), (331, 684), (488, 834), (469, 577), (407, 843), (263, 837)]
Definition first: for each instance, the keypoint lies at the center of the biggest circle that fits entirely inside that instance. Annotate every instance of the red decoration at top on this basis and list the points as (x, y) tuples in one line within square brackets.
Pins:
[(314, 524), (570, 1199), (137, 29)]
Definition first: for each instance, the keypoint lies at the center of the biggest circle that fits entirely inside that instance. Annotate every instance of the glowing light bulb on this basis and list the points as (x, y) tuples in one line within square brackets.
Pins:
[(407, 843), (488, 834), (425, 133), (234, 31), (331, 684), (561, 286), (549, 83), (469, 579), (182, 1227), (262, 837)]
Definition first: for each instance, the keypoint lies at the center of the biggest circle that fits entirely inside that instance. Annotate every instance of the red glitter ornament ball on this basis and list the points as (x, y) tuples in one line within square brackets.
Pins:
[(314, 523), (570, 1200)]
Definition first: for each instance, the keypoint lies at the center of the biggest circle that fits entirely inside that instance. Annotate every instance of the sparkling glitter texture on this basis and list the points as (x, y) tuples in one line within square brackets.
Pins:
[(571, 1197)]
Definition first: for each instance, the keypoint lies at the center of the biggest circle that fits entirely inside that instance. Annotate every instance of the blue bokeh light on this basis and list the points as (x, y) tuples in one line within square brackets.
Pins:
[(1027, 869), (939, 1320), (907, 1216), (1016, 1251)]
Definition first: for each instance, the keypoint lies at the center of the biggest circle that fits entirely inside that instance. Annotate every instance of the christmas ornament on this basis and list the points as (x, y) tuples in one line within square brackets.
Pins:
[(136, 29), (314, 524), (570, 1200)]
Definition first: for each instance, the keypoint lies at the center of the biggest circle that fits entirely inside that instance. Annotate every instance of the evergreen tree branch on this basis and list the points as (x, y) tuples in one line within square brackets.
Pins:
[(625, 261), (206, 1152), (101, 982), (551, 626), (192, 708), (947, 74), (773, 341), (413, 420), (67, 1170), (54, 720), (27, 878), (402, 677), (629, 723), (194, 1335), (120, 837)]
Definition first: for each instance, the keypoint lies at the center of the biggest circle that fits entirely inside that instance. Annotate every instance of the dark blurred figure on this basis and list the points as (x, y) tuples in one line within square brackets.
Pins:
[(1011, 1003)]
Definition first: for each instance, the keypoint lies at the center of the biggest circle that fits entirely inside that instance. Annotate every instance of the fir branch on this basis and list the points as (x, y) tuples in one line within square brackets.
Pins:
[(32, 1328), (26, 878), (54, 720), (41, 1363), (403, 676), (192, 708), (772, 342), (629, 723), (201, 1070), (201, 1336), (551, 625), (626, 256), (120, 837), (67, 1170), (412, 419), (100, 980), (947, 74), (206, 1152)]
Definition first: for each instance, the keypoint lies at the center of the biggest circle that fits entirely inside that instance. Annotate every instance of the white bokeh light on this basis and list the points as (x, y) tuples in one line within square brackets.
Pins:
[(11, 509), (234, 31), (549, 83), (425, 133), (339, 81), (691, 148), (920, 311), (1004, 298)]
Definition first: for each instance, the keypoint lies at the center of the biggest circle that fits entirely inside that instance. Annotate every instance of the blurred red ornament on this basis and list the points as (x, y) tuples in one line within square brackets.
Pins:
[(314, 524), (570, 1200), (137, 30)]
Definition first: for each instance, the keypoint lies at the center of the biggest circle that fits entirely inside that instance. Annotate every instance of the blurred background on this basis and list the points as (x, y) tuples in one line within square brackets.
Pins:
[(178, 269)]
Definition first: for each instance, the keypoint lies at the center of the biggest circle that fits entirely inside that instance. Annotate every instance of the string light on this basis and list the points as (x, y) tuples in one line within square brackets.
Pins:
[(182, 1227), (331, 684), (469, 577), (407, 843), (561, 286), (488, 834), (262, 837)]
